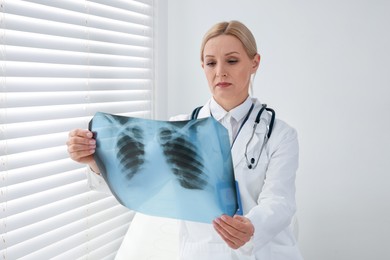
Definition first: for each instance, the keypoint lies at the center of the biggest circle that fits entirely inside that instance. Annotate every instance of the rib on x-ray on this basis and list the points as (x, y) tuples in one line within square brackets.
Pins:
[(175, 169)]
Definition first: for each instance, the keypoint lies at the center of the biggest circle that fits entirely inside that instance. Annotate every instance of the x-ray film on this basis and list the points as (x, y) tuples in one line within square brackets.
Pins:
[(174, 169)]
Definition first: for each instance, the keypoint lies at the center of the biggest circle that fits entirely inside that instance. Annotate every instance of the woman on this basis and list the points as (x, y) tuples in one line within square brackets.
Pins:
[(230, 59)]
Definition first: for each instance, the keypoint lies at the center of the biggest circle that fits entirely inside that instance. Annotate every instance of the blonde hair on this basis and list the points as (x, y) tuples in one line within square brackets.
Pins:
[(236, 29)]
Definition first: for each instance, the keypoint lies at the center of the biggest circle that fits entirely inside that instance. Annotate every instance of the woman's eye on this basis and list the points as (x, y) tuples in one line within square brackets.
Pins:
[(232, 61), (210, 63)]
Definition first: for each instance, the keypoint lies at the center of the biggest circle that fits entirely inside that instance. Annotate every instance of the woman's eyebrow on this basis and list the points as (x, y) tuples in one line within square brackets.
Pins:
[(232, 52), (227, 54)]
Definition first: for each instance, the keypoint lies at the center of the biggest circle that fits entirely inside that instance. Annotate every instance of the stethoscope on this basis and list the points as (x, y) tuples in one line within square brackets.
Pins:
[(252, 163)]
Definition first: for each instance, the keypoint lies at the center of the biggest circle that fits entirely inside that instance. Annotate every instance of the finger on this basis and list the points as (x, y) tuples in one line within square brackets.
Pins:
[(240, 218), (238, 231), (230, 223), (80, 140), (74, 148), (229, 231), (248, 227), (81, 155), (81, 132), (231, 241), (239, 223)]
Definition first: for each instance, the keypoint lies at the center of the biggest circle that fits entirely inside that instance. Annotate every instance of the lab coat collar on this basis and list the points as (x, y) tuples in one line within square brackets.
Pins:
[(238, 113), (205, 111)]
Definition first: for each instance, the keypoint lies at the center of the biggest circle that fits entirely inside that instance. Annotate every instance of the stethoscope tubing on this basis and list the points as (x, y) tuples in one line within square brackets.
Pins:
[(252, 164)]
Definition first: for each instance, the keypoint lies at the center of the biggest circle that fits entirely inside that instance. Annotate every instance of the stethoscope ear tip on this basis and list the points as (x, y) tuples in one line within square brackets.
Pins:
[(249, 166)]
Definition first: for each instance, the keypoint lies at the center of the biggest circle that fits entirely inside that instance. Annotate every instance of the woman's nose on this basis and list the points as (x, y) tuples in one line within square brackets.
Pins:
[(221, 71)]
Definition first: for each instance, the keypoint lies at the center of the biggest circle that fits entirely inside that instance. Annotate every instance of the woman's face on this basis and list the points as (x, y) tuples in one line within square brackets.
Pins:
[(228, 70)]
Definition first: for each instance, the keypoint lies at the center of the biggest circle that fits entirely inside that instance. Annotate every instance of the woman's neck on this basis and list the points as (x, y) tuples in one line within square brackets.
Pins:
[(229, 104)]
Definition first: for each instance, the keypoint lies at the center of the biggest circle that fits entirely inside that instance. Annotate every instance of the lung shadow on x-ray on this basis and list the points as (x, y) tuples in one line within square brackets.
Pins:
[(131, 150), (183, 158)]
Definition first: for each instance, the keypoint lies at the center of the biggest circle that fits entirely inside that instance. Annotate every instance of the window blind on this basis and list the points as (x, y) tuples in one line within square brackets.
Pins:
[(62, 61)]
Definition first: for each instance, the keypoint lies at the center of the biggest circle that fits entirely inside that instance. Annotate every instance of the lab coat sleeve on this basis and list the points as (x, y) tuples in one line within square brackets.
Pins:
[(96, 181), (276, 202)]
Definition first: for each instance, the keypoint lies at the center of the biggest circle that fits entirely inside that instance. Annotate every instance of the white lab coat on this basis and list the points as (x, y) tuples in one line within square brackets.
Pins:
[(268, 200)]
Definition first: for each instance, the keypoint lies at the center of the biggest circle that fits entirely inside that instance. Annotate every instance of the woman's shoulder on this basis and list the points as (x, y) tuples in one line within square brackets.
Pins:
[(204, 111), (283, 134), (179, 117), (280, 127), (283, 128)]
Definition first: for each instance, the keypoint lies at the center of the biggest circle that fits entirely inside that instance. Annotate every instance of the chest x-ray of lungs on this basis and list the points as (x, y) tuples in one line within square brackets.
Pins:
[(174, 169)]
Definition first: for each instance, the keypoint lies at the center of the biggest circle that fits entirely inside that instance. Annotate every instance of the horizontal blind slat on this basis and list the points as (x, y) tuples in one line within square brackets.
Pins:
[(44, 56), (33, 69), (26, 99), (147, 2), (54, 42), (54, 85), (15, 130), (21, 114), (136, 6)]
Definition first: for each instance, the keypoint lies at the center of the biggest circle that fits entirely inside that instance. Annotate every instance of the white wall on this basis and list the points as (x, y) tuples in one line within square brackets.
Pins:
[(326, 70)]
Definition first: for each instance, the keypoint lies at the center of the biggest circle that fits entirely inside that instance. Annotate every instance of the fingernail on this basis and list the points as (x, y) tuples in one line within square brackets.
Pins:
[(92, 141), (89, 135)]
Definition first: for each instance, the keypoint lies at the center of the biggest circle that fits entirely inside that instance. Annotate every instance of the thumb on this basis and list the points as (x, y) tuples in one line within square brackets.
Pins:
[(240, 218)]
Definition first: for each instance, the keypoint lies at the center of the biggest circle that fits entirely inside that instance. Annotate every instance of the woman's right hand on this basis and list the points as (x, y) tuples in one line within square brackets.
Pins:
[(81, 147)]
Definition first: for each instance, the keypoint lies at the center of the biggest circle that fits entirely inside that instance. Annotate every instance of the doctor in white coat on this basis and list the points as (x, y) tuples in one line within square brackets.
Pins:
[(265, 169)]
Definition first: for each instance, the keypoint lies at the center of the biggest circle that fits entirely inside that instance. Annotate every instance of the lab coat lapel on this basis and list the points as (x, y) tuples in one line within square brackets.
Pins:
[(205, 111)]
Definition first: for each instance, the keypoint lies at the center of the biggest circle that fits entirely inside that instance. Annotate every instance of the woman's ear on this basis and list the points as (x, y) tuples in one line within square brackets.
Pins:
[(256, 62)]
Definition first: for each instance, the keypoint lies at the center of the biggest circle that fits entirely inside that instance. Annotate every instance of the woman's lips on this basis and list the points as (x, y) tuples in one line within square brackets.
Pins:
[(223, 84)]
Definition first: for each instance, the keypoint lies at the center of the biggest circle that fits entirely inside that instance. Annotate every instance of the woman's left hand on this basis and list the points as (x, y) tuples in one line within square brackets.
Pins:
[(236, 231)]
